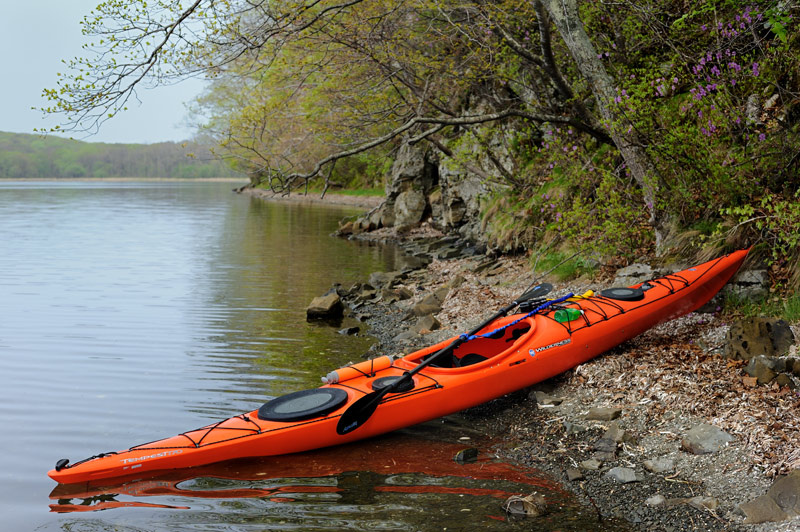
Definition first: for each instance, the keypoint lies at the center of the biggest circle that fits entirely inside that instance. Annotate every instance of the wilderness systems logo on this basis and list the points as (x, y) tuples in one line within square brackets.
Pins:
[(533, 352), (150, 456)]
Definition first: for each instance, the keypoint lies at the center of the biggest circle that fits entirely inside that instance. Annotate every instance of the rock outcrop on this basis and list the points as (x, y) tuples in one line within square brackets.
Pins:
[(423, 187), (750, 337)]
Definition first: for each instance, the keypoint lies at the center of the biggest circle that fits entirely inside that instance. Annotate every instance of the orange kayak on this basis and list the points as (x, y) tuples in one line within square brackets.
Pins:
[(509, 354)]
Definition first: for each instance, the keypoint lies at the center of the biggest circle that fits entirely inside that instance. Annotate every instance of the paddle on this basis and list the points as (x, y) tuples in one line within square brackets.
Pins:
[(360, 411)]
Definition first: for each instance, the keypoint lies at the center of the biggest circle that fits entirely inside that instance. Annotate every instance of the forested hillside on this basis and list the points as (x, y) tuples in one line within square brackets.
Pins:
[(24, 156), (628, 127)]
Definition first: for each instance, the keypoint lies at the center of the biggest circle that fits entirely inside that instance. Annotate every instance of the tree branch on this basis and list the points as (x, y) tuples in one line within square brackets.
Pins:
[(440, 123)]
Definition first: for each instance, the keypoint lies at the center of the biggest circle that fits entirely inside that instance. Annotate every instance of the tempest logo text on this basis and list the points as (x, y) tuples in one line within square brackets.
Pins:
[(157, 455)]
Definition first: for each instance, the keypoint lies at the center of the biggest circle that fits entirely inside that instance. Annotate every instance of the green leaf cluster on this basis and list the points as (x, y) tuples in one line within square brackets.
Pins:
[(712, 94)]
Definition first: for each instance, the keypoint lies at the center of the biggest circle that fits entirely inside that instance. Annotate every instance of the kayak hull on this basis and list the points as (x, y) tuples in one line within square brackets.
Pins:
[(531, 349)]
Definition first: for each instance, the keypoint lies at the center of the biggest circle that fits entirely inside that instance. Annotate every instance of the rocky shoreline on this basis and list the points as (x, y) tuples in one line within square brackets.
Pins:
[(662, 431)]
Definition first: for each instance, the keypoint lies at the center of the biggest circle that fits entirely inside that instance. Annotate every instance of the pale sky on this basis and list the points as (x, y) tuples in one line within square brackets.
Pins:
[(35, 35)]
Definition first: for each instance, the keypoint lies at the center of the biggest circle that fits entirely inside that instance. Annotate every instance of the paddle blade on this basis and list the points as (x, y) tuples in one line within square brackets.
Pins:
[(359, 412), (535, 292)]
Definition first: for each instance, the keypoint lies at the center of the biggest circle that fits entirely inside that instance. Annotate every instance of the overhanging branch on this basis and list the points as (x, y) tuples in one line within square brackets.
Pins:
[(439, 123)]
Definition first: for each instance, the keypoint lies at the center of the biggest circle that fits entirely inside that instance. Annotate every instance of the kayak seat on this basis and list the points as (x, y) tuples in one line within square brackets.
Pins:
[(468, 360), (516, 334), (444, 361)]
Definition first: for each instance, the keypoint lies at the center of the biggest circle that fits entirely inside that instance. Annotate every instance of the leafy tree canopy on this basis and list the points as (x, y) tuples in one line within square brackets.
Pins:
[(628, 126)]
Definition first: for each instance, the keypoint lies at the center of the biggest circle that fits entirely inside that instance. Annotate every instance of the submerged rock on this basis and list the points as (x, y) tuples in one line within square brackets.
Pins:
[(325, 307), (534, 505), (466, 456)]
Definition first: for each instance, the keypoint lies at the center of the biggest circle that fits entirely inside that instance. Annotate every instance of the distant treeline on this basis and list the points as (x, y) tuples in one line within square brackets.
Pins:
[(24, 156)]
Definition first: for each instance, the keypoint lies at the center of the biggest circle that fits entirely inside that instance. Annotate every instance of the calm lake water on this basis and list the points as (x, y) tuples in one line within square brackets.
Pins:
[(130, 311)]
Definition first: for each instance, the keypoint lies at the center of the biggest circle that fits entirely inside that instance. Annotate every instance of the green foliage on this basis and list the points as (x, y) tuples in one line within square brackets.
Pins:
[(778, 21), (24, 156), (773, 220), (713, 100), (562, 265), (786, 307)]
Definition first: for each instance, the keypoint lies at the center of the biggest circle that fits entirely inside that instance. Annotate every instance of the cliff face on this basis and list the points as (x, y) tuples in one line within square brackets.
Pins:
[(425, 186)]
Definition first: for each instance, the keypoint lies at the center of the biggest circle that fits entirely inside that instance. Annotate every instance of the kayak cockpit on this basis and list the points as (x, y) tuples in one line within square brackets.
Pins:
[(478, 350)]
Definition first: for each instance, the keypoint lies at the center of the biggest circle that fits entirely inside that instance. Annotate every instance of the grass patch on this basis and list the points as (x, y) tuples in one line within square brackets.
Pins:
[(791, 309), (787, 308), (563, 268)]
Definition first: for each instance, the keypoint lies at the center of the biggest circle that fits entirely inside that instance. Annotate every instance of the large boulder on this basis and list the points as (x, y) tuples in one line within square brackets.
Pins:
[(409, 209), (781, 501), (413, 177), (325, 307), (749, 284), (412, 167), (751, 337), (461, 193)]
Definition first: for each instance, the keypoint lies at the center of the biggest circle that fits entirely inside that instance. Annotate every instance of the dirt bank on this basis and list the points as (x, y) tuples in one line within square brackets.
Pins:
[(330, 198)]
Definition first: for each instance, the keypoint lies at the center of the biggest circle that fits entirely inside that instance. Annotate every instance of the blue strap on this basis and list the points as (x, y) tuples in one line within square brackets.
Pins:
[(468, 337)]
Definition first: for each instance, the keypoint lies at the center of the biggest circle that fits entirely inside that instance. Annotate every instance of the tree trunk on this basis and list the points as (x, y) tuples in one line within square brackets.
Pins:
[(564, 14)]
